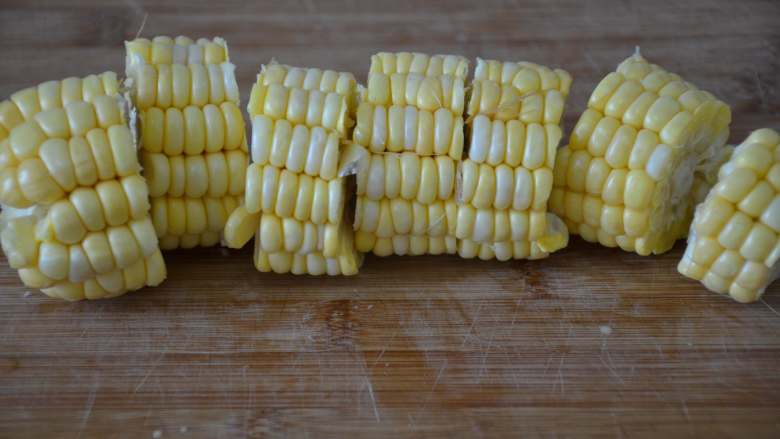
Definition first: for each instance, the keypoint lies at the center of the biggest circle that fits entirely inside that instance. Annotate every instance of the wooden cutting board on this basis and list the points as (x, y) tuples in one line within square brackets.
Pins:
[(591, 341)]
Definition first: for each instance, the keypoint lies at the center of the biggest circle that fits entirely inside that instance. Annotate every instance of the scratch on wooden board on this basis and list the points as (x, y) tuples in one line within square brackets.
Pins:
[(770, 307), (89, 404), (150, 370), (373, 399), (473, 322)]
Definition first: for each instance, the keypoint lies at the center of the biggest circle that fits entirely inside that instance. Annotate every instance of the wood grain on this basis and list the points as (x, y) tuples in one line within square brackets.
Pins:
[(590, 342)]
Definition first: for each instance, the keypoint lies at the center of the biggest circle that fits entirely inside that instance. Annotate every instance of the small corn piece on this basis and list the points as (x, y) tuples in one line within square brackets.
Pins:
[(626, 177), (427, 65), (405, 245), (25, 104), (75, 211), (408, 176), (347, 261), (504, 185), (733, 246), (407, 128), (193, 141)]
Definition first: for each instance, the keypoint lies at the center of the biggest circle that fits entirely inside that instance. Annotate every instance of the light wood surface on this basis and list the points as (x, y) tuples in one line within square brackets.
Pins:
[(591, 341)]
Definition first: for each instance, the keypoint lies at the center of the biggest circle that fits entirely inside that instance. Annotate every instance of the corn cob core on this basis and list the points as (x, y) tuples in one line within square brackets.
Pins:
[(626, 177), (295, 196), (513, 126), (75, 219), (193, 143), (733, 246)]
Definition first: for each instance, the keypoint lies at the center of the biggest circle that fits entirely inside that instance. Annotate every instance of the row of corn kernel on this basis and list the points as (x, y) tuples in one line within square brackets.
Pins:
[(295, 193), (410, 119), (193, 139), (75, 220)]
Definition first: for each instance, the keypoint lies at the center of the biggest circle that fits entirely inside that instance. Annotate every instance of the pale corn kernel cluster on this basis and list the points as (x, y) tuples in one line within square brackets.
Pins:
[(514, 114), (734, 240), (410, 120), (296, 189), (193, 139), (646, 140), (75, 220)]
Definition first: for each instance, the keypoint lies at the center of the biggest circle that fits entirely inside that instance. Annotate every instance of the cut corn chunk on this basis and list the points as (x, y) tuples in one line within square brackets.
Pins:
[(504, 184), (733, 246), (193, 141), (626, 177), (75, 210)]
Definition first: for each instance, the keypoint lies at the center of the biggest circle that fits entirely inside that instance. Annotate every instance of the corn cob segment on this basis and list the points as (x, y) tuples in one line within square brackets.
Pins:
[(193, 141), (626, 177), (733, 244), (296, 190), (410, 120), (84, 219), (505, 182)]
